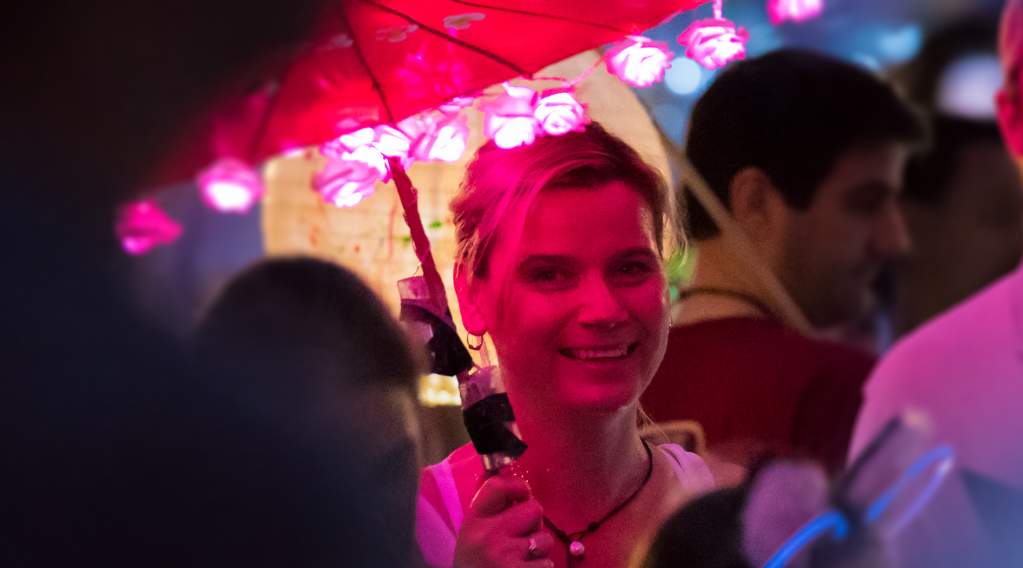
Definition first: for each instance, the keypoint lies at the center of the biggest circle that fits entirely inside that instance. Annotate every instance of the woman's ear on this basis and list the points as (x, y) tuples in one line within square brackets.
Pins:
[(467, 292)]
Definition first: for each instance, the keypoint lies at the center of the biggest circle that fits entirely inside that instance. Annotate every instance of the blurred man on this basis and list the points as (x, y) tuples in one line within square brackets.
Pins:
[(806, 153), (965, 369), (963, 199)]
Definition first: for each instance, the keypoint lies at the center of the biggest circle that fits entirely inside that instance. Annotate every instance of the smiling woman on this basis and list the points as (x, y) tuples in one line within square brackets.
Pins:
[(559, 262)]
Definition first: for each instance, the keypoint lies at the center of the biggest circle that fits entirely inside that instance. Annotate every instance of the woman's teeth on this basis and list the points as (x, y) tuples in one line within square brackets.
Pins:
[(591, 354)]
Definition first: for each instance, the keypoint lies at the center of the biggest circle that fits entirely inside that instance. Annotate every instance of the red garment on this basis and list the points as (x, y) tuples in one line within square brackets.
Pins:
[(755, 386)]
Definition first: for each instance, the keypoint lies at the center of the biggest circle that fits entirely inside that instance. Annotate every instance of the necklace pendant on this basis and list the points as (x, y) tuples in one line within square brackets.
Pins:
[(576, 549)]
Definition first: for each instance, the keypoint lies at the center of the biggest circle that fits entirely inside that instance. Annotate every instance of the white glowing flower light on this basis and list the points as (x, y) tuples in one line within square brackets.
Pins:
[(445, 140), (793, 10), (509, 119), (638, 61), (344, 144), (391, 142), (345, 183), (371, 146), (142, 225), (230, 186), (558, 112), (714, 42)]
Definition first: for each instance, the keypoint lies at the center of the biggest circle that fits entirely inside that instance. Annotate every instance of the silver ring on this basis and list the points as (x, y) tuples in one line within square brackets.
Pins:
[(534, 547)]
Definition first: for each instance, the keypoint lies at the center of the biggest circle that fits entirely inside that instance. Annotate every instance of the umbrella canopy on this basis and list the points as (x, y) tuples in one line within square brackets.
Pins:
[(380, 61)]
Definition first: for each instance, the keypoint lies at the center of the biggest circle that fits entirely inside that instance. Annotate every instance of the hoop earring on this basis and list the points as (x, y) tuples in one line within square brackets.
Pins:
[(469, 344)]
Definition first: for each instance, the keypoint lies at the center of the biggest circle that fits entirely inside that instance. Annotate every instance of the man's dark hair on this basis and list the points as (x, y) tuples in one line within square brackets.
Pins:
[(705, 533), (305, 317), (791, 113)]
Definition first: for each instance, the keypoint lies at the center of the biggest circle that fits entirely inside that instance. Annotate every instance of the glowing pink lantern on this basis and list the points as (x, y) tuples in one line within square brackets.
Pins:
[(391, 142), (345, 183), (638, 61), (714, 42), (438, 136), (230, 186), (509, 119), (559, 112), (143, 225), (371, 146), (348, 142), (793, 10)]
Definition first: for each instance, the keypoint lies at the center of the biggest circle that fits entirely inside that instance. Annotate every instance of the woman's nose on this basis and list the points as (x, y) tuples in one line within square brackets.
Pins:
[(600, 305)]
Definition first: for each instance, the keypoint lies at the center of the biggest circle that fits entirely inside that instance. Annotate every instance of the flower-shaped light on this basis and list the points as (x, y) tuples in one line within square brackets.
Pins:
[(142, 225), (391, 142), (371, 146), (345, 183), (437, 136), (714, 42), (793, 10), (230, 186), (509, 119), (638, 61), (559, 112)]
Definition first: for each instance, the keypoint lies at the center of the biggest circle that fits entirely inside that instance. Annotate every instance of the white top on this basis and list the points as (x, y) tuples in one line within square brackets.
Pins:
[(437, 537), (964, 369)]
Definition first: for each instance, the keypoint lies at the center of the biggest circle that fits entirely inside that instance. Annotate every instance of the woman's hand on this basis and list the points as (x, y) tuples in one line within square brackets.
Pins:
[(502, 528)]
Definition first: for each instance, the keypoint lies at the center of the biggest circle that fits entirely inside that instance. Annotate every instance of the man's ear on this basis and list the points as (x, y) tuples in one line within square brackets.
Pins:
[(467, 292), (755, 203)]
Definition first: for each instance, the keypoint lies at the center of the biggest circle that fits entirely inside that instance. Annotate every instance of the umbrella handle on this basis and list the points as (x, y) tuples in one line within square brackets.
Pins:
[(409, 198)]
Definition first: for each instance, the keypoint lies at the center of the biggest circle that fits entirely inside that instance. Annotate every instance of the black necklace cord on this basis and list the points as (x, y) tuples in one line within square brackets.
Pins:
[(749, 299), (573, 540)]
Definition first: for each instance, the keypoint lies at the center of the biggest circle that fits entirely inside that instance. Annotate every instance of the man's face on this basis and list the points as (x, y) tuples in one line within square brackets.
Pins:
[(829, 254)]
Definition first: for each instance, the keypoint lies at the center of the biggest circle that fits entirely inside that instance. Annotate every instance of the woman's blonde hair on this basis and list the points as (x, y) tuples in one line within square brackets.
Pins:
[(500, 184)]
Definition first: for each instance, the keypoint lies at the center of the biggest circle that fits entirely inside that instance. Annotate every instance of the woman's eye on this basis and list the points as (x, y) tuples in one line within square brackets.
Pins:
[(550, 278), (633, 271), (546, 275), (633, 268)]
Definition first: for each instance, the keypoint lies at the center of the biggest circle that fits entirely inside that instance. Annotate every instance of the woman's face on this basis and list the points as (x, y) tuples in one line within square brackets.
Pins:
[(577, 308)]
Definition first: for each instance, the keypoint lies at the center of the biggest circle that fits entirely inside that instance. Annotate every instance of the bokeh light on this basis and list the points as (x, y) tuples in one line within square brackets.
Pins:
[(684, 76)]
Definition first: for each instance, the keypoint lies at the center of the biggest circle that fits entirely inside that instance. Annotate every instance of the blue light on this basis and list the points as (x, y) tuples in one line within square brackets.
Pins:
[(936, 464), (684, 76), (896, 45), (868, 61), (831, 521)]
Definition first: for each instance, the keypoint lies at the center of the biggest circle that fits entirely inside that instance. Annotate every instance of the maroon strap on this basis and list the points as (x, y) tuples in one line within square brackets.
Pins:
[(420, 242)]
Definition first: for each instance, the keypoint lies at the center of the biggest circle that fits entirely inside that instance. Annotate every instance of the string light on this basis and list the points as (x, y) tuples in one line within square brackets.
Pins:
[(714, 42), (142, 225)]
